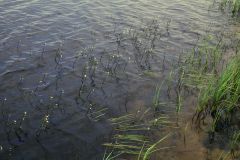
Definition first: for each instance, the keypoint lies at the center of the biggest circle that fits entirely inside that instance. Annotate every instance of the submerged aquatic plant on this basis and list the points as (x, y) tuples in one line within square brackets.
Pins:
[(202, 65), (156, 98), (132, 134), (111, 155), (153, 148)]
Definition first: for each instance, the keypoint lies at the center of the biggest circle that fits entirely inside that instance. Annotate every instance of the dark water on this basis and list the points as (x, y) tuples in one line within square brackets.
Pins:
[(67, 66)]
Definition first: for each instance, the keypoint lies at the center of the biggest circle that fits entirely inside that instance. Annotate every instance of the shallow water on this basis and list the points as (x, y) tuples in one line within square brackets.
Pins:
[(50, 86)]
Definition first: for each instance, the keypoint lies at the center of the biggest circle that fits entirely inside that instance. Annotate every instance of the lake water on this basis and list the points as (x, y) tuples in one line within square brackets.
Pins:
[(67, 66)]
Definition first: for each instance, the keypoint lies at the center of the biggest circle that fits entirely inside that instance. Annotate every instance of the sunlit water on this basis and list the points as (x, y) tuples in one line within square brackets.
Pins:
[(47, 97)]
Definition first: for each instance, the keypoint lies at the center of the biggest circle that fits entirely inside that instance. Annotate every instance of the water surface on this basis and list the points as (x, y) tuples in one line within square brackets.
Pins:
[(60, 61)]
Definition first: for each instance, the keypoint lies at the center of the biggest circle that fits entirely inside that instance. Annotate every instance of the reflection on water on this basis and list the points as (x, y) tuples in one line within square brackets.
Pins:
[(68, 66)]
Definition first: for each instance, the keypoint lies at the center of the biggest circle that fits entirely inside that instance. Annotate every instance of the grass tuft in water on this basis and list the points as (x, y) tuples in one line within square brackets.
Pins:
[(233, 5), (222, 97)]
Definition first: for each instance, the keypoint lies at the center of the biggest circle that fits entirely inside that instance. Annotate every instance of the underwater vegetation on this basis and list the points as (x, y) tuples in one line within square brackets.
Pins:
[(136, 134)]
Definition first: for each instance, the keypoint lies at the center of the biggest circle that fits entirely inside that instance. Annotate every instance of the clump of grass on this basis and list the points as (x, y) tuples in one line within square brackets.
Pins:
[(222, 97), (217, 87), (233, 5), (221, 100)]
